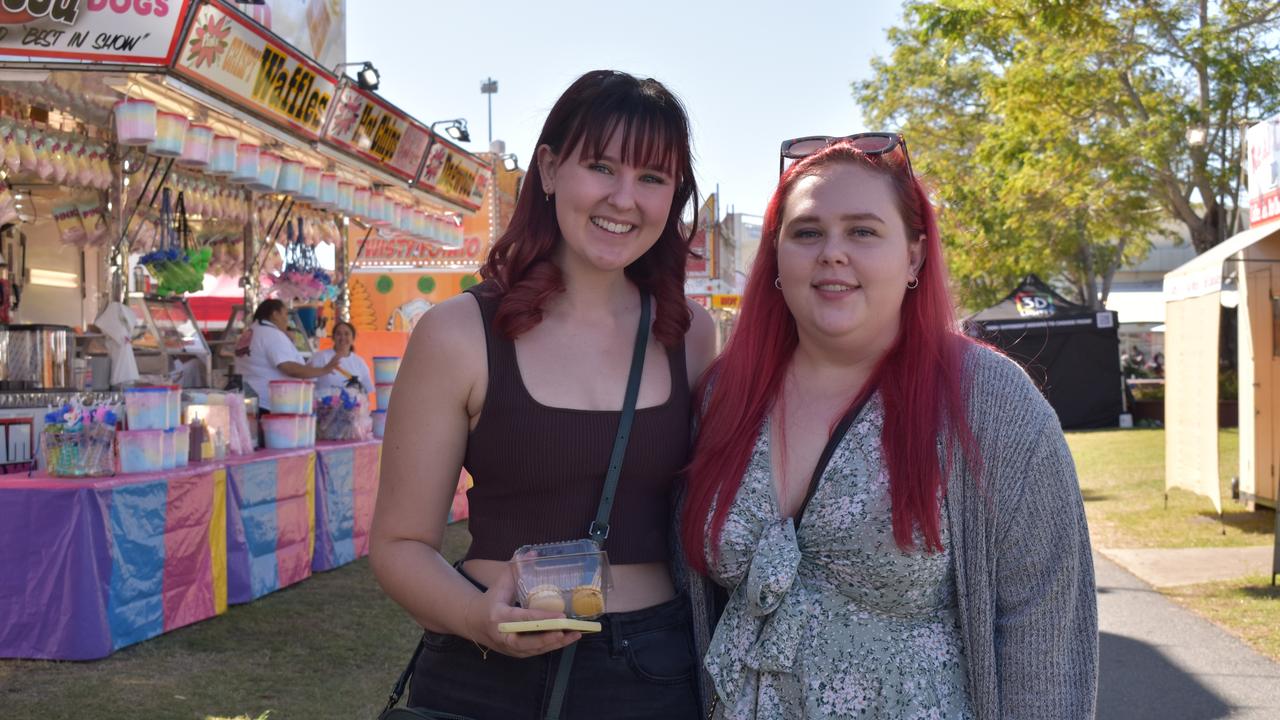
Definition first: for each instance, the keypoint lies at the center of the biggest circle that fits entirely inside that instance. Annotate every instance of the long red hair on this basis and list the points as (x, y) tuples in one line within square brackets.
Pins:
[(655, 132), (919, 379)]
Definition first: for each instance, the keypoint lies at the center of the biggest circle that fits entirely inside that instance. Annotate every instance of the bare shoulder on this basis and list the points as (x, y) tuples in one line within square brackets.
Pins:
[(699, 341), (448, 341)]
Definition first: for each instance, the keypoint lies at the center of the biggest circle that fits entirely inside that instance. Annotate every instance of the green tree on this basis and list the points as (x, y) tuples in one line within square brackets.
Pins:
[(1055, 130)]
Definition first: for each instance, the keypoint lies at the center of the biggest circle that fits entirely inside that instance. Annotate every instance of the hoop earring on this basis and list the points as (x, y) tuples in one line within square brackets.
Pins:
[(913, 283), (777, 282)]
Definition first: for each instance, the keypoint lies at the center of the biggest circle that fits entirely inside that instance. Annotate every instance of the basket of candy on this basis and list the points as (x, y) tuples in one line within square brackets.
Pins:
[(343, 415), (78, 440)]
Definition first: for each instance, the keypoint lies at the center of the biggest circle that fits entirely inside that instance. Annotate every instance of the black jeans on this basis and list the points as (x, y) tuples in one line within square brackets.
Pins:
[(641, 665)]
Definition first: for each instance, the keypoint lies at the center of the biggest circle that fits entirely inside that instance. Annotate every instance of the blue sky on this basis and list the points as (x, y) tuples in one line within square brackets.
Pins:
[(751, 73)]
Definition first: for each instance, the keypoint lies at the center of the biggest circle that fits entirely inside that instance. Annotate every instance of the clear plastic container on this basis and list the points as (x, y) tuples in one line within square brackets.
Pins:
[(135, 122), (569, 577), (291, 397), (385, 369), (147, 407), (384, 395), (169, 460), (284, 432), (175, 406), (181, 446), (379, 422), (141, 450)]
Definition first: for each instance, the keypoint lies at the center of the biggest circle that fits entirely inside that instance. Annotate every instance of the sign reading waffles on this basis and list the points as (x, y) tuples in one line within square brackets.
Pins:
[(141, 32), (227, 53), (367, 126), (454, 175)]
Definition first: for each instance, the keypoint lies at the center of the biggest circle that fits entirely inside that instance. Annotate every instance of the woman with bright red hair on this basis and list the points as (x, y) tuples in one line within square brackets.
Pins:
[(520, 380), (893, 508)]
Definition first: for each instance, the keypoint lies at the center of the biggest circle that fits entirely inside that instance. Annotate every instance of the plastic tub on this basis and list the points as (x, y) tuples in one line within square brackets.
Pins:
[(328, 197), (174, 409), (310, 184), (198, 146), (290, 180), (141, 450), (346, 197), (385, 369), (379, 422), (246, 163), (384, 395), (171, 134), (222, 160), (360, 206), (181, 446), (147, 407), (135, 122), (169, 458), (283, 432), (268, 172), (291, 397)]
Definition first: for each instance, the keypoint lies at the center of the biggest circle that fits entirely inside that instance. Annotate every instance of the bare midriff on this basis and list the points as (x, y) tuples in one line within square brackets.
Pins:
[(635, 586)]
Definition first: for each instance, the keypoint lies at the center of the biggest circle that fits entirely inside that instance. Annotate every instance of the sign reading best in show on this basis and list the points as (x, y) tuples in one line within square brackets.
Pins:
[(233, 56)]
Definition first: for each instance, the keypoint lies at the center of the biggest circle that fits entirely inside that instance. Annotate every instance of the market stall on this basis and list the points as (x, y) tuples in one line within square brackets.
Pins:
[(150, 197)]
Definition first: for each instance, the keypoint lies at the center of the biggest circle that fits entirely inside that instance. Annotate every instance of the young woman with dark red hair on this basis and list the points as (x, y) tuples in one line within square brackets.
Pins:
[(521, 380), (932, 560)]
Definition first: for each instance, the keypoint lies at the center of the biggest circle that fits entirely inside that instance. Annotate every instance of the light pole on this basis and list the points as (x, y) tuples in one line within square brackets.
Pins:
[(489, 87)]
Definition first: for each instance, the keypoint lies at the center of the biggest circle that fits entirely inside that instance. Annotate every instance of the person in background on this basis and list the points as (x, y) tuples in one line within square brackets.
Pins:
[(352, 371), (271, 354), (892, 506)]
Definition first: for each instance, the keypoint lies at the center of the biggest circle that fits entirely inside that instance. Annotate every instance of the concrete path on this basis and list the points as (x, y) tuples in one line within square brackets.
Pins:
[(1170, 567), (1162, 662)]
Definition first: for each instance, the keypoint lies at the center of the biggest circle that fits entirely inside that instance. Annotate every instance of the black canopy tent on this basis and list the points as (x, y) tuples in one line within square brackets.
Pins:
[(1071, 351)]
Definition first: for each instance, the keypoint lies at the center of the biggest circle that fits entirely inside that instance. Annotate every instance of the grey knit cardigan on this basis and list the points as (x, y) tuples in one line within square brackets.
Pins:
[(1024, 569)]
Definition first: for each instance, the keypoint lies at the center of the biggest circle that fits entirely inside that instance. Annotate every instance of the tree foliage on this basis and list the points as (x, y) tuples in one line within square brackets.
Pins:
[(1055, 131)]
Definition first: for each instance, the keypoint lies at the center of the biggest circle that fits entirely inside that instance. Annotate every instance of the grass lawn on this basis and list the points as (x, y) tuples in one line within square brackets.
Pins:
[(329, 647), (1122, 479)]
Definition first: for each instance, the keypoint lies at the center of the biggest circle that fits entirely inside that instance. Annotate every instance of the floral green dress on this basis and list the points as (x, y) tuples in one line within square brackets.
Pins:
[(833, 620)]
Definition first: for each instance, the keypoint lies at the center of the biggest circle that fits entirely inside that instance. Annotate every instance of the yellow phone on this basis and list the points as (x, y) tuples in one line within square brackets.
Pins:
[(553, 624)]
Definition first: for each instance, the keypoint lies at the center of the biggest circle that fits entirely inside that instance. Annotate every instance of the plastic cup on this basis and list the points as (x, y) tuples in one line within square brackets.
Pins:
[(246, 163), (379, 422), (198, 146), (222, 159)]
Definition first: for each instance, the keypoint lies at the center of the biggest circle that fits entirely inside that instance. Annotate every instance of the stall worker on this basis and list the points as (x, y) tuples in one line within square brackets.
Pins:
[(272, 355), (351, 370)]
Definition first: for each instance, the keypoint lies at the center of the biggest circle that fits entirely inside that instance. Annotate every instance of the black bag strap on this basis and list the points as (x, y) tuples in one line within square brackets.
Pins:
[(599, 530), (398, 690), (823, 460)]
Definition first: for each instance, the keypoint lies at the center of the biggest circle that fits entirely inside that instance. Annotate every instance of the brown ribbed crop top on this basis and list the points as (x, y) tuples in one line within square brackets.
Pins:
[(539, 470)]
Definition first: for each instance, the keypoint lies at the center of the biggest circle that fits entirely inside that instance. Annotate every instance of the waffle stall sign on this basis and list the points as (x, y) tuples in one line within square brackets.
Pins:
[(226, 52), (137, 32)]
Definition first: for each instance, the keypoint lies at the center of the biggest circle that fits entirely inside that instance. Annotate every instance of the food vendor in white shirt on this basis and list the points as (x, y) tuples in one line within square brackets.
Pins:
[(351, 367), (271, 354)]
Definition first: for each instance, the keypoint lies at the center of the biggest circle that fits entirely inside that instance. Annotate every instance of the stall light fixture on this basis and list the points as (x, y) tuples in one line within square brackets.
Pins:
[(367, 76), (53, 278), (510, 162), (456, 129)]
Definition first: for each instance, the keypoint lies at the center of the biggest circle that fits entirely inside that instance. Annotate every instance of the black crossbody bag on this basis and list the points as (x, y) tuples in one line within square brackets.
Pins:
[(598, 531)]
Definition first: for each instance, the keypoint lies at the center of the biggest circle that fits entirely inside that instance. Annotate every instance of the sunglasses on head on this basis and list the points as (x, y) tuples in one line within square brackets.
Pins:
[(870, 143)]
